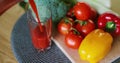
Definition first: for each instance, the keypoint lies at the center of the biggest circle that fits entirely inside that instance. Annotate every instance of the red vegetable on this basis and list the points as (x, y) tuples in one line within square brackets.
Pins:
[(65, 25), (110, 23), (70, 13), (82, 11), (94, 14), (85, 27), (73, 40)]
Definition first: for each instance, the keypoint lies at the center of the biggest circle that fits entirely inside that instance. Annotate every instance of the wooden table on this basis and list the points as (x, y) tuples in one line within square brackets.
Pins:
[(7, 21), (6, 4)]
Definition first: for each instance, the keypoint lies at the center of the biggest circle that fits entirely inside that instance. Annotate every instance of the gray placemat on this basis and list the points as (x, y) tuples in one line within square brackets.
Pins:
[(24, 50)]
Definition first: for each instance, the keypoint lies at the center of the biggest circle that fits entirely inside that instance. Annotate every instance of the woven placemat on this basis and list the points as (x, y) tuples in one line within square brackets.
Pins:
[(24, 50)]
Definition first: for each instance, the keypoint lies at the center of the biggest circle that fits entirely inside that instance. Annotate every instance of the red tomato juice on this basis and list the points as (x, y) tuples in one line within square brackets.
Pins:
[(40, 39)]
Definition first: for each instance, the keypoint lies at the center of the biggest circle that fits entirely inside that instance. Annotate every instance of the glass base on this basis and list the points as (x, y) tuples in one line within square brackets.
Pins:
[(43, 50)]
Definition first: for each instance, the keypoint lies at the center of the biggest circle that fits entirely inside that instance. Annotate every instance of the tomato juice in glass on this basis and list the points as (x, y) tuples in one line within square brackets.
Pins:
[(41, 40)]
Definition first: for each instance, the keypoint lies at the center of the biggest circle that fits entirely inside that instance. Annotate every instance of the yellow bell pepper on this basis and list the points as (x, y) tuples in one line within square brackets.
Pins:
[(95, 46)]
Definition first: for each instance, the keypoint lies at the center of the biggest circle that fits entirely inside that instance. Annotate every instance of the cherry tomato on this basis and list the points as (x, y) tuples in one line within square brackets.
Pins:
[(70, 13), (82, 11), (85, 27), (73, 40), (65, 25), (94, 14)]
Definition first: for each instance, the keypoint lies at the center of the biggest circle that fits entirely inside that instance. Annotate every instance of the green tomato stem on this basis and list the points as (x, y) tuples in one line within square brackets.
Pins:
[(75, 31), (67, 20), (82, 23)]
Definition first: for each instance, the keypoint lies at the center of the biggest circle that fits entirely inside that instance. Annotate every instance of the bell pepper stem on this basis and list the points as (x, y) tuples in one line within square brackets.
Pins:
[(110, 26)]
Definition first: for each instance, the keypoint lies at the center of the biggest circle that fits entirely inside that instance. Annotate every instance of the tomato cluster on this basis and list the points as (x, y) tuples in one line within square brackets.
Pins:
[(80, 20), (77, 24)]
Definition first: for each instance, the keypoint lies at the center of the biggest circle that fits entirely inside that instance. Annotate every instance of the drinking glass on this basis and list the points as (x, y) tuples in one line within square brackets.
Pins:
[(41, 40)]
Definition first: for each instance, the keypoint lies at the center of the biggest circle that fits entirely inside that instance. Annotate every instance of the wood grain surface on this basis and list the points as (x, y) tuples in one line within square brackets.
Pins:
[(6, 4), (115, 6), (7, 21)]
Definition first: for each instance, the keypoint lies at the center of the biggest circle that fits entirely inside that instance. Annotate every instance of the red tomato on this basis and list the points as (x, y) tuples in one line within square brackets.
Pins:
[(70, 13), (65, 25), (82, 11), (85, 27), (94, 14), (73, 40)]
